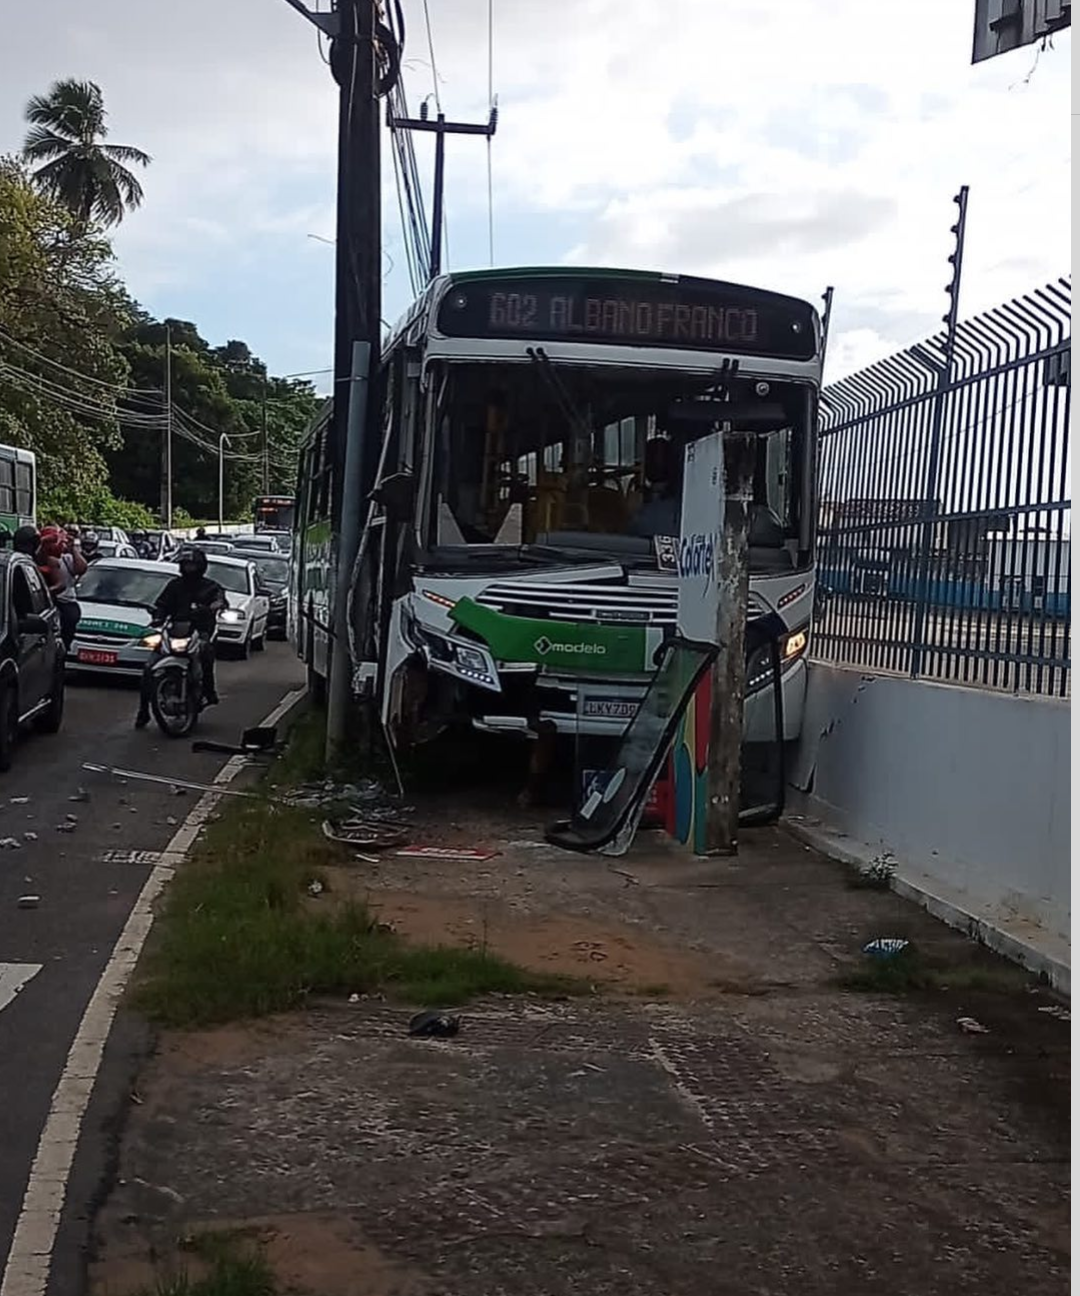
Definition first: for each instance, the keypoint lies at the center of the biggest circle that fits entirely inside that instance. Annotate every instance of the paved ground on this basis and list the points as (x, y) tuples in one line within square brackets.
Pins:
[(719, 1118), (63, 945)]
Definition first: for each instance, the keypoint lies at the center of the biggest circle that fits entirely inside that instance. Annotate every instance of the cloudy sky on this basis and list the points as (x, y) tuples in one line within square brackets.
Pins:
[(791, 146)]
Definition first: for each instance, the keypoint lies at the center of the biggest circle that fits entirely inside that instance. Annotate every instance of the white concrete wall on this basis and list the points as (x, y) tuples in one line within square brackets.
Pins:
[(968, 788)]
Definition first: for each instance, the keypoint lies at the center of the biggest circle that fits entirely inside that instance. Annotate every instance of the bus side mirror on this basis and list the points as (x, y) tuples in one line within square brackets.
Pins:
[(397, 496)]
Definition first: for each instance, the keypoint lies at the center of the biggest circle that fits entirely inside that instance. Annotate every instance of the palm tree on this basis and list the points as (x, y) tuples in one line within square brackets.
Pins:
[(67, 130)]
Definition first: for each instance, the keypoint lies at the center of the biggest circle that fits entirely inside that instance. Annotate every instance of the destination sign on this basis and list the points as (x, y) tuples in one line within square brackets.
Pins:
[(693, 314)]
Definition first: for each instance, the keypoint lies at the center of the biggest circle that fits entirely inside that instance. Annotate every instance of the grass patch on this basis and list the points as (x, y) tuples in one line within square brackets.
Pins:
[(911, 971), (240, 937), (231, 1269), (304, 757)]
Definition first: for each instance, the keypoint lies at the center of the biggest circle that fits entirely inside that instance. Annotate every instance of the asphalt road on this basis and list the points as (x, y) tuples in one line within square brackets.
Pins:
[(57, 951)]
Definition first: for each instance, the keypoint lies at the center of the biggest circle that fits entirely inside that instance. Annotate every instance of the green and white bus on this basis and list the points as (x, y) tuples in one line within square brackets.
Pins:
[(533, 422), (18, 488)]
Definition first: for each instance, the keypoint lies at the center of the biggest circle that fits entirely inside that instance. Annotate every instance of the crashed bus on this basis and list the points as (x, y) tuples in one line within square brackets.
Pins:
[(518, 569)]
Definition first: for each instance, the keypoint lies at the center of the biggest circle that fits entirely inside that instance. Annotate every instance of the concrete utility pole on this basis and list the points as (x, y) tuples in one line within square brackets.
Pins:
[(354, 27), (440, 127), (724, 773)]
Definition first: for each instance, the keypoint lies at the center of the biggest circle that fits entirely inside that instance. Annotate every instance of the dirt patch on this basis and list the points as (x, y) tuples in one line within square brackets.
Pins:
[(613, 956), (311, 1254)]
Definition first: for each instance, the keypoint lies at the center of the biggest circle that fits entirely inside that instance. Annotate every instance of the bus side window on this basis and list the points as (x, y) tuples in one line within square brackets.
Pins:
[(24, 490), (7, 486)]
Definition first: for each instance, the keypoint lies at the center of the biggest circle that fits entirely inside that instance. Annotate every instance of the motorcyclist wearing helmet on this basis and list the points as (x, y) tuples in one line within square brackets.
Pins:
[(91, 547), (192, 597)]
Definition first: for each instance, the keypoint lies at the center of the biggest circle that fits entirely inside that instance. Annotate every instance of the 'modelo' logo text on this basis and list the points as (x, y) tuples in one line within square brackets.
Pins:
[(544, 645)]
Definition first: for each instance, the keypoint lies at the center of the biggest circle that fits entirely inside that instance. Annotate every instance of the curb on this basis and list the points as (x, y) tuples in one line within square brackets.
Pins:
[(1055, 971)]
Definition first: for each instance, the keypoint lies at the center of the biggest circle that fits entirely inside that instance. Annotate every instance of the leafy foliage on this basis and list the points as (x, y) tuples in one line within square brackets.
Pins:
[(82, 366), (90, 178)]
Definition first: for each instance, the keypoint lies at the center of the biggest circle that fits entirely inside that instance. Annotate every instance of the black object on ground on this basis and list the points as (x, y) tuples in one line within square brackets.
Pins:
[(434, 1024)]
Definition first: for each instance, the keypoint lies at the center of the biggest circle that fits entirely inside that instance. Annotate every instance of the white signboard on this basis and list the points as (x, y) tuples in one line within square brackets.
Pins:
[(698, 557)]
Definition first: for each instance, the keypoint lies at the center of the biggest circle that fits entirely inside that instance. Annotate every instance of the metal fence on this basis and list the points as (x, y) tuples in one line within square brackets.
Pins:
[(945, 485)]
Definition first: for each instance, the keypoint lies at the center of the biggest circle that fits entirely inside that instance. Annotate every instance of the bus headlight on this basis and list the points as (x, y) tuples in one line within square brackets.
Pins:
[(470, 662), (759, 668)]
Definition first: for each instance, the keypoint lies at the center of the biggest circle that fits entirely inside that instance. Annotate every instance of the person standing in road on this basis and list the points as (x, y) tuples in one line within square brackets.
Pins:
[(61, 562), (26, 541)]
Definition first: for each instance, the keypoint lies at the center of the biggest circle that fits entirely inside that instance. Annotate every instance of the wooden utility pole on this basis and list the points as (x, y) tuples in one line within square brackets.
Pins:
[(724, 773)]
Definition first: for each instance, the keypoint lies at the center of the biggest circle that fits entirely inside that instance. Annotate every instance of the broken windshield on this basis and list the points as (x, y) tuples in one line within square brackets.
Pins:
[(588, 459)]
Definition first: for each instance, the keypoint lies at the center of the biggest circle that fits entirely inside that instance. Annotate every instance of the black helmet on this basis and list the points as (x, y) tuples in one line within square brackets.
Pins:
[(192, 561), (26, 540)]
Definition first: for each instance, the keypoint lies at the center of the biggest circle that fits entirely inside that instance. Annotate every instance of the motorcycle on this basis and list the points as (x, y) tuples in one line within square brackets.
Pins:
[(176, 674)]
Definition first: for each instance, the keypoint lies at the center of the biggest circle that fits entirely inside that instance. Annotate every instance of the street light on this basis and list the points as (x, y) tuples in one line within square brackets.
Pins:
[(222, 442)]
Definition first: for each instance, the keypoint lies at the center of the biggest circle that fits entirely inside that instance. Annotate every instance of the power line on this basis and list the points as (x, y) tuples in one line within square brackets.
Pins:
[(431, 52), (492, 108)]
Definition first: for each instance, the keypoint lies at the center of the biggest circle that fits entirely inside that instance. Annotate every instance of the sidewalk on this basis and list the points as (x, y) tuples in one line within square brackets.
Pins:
[(720, 1117)]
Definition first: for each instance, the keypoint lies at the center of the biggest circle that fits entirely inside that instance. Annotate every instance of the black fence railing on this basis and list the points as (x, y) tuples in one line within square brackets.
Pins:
[(945, 492)]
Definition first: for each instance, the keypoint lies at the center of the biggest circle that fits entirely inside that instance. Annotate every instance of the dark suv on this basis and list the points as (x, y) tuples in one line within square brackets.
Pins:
[(31, 654)]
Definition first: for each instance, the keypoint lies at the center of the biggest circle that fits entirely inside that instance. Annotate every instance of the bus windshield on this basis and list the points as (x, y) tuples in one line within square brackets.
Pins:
[(593, 456)]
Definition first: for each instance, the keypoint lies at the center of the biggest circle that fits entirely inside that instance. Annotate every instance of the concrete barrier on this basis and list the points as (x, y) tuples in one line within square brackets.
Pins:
[(967, 788)]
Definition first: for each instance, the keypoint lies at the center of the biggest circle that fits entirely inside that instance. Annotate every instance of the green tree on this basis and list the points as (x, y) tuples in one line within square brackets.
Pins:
[(67, 134), (62, 310)]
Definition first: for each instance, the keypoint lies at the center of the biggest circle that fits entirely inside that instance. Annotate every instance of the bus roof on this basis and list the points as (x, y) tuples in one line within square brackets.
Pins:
[(784, 327)]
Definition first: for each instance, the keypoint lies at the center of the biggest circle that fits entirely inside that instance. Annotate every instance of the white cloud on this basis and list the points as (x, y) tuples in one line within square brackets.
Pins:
[(792, 145)]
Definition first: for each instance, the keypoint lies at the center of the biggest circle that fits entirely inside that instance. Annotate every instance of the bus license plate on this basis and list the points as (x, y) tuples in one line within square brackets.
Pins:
[(609, 708), (97, 657)]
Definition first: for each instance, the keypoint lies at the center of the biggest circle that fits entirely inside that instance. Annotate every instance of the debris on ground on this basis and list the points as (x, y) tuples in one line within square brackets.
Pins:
[(434, 1024), (972, 1027), (361, 832), (30, 836), (29, 901), (10, 843), (171, 820), (68, 826), (1057, 1010), (80, 795), (451, 853), (314, 796), (177, 791), (20, 800), (885, 947), (315, 887)]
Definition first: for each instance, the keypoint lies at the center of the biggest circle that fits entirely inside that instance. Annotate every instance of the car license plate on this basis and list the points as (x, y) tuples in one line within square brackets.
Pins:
[(97, 657)]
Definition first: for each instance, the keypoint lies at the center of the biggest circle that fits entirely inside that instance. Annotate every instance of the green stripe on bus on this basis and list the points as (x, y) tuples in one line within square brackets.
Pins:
[(566, 645)]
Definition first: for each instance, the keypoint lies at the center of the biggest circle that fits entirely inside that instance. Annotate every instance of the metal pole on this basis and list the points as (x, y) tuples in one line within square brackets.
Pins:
[(166, 455), (724, 773), (221, 483), (930, 502), (265, 443), (353, 500), (437, 198)]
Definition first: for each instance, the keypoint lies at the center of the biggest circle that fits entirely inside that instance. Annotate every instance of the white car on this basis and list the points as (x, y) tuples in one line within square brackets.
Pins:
[(117, 596), (243, 623)]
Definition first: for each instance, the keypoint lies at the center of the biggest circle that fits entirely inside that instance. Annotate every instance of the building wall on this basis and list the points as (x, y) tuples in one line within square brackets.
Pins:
[(968, 788)]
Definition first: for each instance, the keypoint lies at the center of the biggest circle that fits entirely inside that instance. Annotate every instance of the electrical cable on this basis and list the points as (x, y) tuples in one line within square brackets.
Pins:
[(493, 110)]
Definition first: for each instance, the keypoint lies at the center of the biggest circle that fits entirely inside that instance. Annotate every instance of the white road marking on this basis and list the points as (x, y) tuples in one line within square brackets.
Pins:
[(13, 976), (26, 1272)]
